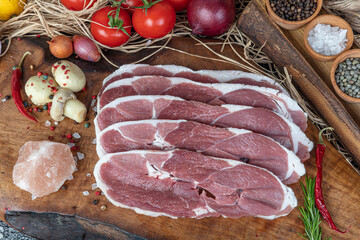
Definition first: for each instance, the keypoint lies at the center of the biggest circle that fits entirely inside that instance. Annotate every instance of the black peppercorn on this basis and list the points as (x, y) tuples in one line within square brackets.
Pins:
[(292, 10)]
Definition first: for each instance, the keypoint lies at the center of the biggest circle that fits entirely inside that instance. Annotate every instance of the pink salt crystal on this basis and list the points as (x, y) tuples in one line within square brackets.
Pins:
[(43, 167)]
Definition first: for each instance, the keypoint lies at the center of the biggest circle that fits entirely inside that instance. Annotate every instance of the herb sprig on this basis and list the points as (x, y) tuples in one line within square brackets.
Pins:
[(310, 215)]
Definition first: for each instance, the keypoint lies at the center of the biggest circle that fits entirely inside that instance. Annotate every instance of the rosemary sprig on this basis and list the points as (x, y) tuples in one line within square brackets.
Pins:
[(310, 215)]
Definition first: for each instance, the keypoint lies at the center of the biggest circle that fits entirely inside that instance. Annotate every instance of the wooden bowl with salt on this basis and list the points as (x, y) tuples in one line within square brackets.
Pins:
[(292, 25), (334, 21), (355, 53)]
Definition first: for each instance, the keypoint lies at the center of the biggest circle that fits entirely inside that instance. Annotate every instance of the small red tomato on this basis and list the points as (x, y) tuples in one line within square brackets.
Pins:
[(77, 5), (179, 5), (157, 21), (111, 36)]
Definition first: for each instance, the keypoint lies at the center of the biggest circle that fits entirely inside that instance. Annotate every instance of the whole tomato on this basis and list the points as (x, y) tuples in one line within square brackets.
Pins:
[(155, 20), (179, 5), (77, 5), (112, 35)]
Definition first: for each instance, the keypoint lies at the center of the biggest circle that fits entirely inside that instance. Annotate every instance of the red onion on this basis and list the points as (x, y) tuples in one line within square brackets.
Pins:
[(86, 49), (210, 17)]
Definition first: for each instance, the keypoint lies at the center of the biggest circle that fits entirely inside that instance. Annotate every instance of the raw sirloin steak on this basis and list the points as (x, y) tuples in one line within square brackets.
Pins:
[(242, 145), (204, 76), (188, 184), (214, 94), (258, 120)]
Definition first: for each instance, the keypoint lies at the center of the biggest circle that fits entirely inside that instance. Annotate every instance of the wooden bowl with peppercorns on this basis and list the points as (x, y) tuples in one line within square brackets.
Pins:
[(333, 21), (348, 75), (293, 14)]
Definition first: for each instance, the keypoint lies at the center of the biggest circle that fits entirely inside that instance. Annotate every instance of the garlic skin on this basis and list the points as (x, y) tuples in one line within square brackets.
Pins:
[(86, 49)]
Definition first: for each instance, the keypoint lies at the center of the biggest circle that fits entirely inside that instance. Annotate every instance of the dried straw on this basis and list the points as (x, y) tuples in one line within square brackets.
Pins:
[(51, 18), (349, 10)]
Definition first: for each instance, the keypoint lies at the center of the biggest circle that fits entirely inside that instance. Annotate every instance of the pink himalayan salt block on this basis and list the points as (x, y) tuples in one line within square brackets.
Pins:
[(43, 167)]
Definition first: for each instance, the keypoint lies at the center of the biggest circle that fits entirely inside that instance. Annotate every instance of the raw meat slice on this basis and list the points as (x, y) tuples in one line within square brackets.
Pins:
[(187, 184), (258, 120), (242, 145), (43, 167), (214, 94), (205, 76)]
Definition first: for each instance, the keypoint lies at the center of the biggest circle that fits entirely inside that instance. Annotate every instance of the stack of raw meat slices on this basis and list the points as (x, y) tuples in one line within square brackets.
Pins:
[(181, 143)]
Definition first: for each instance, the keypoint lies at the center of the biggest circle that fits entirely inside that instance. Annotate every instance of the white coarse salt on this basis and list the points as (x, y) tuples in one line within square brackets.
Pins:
[(88, 174), (47, 123), (327, 40), (86, 193), (71, 144), (93, 102), (94, 186), (76, 135), (80, 155)]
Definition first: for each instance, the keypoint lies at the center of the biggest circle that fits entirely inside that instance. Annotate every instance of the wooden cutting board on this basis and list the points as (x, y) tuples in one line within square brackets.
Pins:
[(341, 183)]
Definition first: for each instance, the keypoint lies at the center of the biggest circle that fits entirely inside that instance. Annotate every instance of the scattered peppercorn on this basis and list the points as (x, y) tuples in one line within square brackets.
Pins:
[(72, 141), (294, 10), (68, 136), (52, 128), (347, 77), (84, 89), (35, 109), (94, 96), (39, 109), (63, 136), (103, 207), (64, 187), (25, 103), (7, 97), (87, 119), (76, 123), (95, 202), (30, 109), (95, 114), (39, 74), (87, 125), (19, 39), (37, 35), (50, 137), (98, 193), (45, 77), (51, 96), (45, 107)]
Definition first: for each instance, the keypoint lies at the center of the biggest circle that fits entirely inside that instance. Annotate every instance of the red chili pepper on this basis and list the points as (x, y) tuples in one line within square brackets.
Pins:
[(319, 199), (16, 87)]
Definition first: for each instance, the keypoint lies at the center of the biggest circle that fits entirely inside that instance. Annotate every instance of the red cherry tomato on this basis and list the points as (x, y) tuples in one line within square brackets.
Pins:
[(77, 5), (103, 33), (156, 22), (179, 5)]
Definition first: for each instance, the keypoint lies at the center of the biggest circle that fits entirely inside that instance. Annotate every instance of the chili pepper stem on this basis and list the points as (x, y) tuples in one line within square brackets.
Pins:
[(321, 141), (22, 59)]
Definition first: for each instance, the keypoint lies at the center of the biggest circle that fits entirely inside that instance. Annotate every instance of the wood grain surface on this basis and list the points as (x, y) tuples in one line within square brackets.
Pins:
[(341, 183), (310, 76)]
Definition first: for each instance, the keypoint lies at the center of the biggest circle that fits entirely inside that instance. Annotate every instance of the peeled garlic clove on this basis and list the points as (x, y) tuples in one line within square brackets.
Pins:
[(86, 49)]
